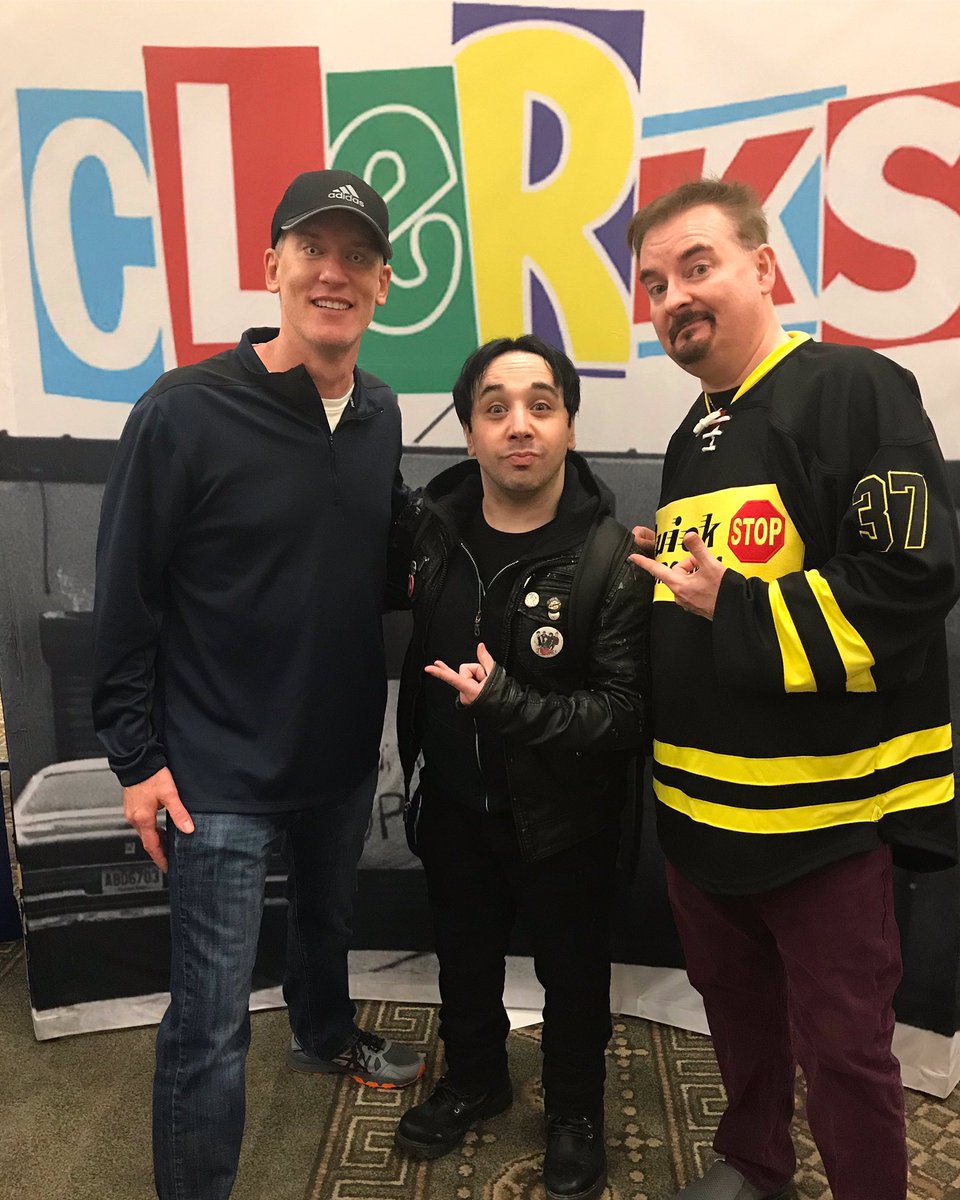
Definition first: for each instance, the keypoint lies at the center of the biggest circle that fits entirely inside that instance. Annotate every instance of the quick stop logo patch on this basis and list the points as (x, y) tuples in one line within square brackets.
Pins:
[(748, 528), (757, 531)]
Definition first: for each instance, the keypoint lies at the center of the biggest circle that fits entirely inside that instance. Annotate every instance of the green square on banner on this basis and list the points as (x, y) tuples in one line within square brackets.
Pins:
[(399, 130)]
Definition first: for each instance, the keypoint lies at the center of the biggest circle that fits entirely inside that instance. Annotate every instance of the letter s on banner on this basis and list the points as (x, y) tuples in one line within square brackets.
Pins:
[(918, 224)]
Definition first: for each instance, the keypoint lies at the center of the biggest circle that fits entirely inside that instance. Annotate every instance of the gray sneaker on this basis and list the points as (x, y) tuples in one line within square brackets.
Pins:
[(723, 1182), (369, 1059)]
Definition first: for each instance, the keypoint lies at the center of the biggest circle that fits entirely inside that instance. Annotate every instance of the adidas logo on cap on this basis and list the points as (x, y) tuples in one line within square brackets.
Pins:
[(347, 192)]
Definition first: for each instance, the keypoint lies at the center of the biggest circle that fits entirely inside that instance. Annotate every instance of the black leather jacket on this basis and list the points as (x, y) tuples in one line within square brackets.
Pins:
[(572, 725)]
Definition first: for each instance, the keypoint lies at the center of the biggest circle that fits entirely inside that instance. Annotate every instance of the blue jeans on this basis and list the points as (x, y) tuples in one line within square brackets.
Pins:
[(217, 878)]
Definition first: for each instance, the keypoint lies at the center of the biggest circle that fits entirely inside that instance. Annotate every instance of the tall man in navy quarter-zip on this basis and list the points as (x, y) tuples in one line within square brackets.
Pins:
[(239, 679)]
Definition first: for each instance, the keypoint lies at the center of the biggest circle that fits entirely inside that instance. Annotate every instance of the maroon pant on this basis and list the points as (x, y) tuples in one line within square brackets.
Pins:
[(804, 973)]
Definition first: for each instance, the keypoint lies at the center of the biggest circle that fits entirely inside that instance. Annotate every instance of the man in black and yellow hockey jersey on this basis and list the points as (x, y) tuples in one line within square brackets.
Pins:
[(805, 557)]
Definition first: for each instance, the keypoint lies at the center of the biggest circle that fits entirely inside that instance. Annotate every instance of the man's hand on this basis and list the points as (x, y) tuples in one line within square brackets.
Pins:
[(143, 801), (471, 677), (645, 538), (694, 582)]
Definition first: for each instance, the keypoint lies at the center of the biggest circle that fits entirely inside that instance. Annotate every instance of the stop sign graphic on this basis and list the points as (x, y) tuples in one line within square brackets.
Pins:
[(757, 531)]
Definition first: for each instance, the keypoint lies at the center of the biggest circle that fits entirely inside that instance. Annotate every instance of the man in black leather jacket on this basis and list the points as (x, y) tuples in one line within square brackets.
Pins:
[(527, 748)]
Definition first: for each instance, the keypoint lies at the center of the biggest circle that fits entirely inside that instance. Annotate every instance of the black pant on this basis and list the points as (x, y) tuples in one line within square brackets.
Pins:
[(478, 883)]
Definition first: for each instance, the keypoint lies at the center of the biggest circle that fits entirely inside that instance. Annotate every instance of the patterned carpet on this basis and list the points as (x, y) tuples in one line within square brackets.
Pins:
[(322, 1138), (664, 1098)]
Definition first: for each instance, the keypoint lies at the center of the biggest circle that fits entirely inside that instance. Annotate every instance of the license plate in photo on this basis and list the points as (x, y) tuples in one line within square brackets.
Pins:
[(137, 877)]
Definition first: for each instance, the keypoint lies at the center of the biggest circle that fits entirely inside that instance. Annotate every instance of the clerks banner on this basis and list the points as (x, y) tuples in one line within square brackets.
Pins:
[(146, 144)]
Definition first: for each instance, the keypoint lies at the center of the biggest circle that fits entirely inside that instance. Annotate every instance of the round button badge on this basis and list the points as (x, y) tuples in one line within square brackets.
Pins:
[(547, 642)]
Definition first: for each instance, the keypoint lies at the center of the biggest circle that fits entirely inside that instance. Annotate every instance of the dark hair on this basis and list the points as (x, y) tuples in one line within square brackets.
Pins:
[(738, 200), (561, 368)]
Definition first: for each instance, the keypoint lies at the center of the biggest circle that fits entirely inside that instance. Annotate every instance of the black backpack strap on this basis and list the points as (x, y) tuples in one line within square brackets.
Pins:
[(601, 557)]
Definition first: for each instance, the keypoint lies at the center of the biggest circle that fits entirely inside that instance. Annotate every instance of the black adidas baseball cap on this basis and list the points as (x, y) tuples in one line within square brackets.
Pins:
[(315, 192)]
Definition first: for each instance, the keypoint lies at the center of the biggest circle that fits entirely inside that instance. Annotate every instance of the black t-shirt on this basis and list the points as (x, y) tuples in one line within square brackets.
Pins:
[(493, 550), (470, 609)]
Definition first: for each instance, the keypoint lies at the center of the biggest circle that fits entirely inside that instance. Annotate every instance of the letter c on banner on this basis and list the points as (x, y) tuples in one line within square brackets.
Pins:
[(54, 232)]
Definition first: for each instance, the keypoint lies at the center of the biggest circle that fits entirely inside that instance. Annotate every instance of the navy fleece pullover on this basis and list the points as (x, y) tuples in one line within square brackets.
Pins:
[(240, 576)]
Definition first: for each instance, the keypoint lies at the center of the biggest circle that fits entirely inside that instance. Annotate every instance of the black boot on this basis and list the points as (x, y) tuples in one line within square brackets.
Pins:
[(575, 1164), (440, 1123)]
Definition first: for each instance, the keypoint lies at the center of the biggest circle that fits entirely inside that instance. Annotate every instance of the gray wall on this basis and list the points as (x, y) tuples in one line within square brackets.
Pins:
[(48, 520), (47, 544)]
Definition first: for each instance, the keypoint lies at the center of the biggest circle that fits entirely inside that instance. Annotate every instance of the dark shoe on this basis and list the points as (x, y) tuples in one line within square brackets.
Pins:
[(723, 1182), (369, 1059), (440, 1123), (575, 1164)]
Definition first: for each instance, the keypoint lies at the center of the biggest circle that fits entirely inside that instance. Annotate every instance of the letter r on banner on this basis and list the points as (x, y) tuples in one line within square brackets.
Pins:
[(545, 230)]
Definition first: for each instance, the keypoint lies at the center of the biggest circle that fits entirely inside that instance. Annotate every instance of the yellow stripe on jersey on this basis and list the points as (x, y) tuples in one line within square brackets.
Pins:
[(804, 769), (854, 651), (924, 794), (910, 745), (797, 672)]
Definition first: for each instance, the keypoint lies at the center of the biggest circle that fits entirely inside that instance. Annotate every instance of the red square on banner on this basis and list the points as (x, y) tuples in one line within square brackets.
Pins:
[(275, 130), (760, 162)]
